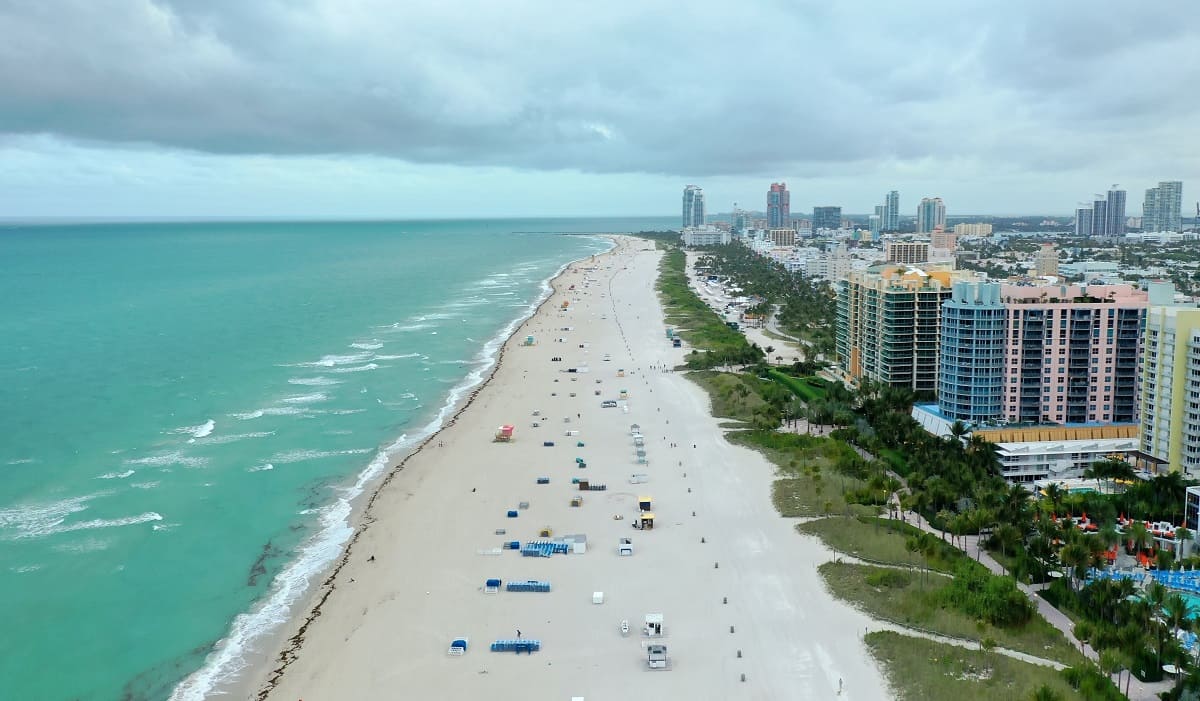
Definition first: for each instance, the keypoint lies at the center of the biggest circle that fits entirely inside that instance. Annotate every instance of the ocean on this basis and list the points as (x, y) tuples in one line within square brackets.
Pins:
[(188, 410)]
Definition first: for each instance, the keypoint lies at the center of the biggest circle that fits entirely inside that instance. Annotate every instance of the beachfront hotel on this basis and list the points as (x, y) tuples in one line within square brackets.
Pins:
[(1049, 374), (1170, 378), (889, 324)]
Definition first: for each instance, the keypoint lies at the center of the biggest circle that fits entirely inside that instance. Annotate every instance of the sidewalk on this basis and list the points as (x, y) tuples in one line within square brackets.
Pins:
[(1138, 690)]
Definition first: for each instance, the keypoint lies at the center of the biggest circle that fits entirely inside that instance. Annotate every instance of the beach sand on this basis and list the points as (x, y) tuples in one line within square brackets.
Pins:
[(413, 578)]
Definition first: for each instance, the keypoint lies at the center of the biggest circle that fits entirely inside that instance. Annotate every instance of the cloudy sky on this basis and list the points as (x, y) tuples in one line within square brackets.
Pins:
[(412, 108)]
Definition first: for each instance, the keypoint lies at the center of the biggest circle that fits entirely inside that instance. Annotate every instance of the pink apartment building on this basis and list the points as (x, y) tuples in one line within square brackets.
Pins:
[(1071, 353)]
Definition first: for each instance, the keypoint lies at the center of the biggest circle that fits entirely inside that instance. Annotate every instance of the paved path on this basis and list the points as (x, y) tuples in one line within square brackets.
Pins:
[(1138, 690)]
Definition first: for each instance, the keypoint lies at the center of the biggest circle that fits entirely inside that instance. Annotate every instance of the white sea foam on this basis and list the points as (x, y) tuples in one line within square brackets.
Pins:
[(40, 520), (262, 468), (227, 658), (25, 569), (116, 475), (292, 456), (367, 345), (143, 485), (357, 368), (199, 431), (344, 412), (234, 437), (306, 398), (21, 461), (87, 545), (404, 327), (168, 459), (329, 361), (396, 357), (272, 411), (314, 381)]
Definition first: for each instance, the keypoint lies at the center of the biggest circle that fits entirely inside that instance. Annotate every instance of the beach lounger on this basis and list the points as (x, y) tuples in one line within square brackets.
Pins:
[(458, 646)]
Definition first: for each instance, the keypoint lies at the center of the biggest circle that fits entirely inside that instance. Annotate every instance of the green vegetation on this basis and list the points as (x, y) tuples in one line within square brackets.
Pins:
[(807, 308), (714, 342), (885, 540), (808, 389), (743, 397), (819, 475), (923, 670), (936, 604)]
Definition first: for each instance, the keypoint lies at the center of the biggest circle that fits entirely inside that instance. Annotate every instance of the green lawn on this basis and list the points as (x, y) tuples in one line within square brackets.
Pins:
[(807, 388), (914, 601), (896, 459), (881, 540), (923, 670)]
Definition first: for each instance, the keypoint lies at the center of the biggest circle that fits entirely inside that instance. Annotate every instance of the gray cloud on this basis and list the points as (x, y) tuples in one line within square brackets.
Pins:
[(703, 88)]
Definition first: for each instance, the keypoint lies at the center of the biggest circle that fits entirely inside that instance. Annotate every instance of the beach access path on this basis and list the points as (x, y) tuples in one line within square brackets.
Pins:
[(414, 577)]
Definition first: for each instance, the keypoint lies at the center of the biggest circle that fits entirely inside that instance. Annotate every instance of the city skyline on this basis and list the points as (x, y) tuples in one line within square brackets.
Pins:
[(222, 109)]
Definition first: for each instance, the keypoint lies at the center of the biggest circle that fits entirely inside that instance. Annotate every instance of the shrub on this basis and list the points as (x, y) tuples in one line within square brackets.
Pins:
[(889, 578), (987, 597)]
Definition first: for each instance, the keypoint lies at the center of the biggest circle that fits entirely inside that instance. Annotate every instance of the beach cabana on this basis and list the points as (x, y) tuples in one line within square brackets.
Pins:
[(643, 503), (491, 586), (458, 646), (653, 625), (504, 434), (647, 521)]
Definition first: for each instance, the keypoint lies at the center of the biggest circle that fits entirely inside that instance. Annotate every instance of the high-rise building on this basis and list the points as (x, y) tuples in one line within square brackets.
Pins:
[(693, 206), (971, 369), (931, 214), (1083, 222), (1045, 263), (907, 253), (1115, 211), (1150, 210), (891, 212), (973, 229), (889, 323), (782, 238), (943, 240), (779, 206), (1170, 416), (1072, 353), (827, 218), (1099, 218), (875, 222), (1161, 210), (1014, 353), (740, 219)]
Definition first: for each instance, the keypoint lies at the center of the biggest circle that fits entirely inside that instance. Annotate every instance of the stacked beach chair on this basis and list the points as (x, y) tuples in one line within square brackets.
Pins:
[(517, 645), (528, 585), (544, 548)]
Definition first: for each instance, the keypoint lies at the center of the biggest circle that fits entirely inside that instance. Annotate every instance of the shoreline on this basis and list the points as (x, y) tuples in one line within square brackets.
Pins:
[(273, 651), (387, 631)]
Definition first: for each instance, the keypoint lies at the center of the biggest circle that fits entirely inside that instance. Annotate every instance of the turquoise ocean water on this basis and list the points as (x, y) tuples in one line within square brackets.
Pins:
[(187, 410)]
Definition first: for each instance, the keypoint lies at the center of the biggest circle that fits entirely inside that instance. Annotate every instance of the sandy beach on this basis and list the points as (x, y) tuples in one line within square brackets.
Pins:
[(414, 577)]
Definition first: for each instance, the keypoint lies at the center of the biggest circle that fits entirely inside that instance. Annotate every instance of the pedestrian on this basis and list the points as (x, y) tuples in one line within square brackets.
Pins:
[(518, 633)]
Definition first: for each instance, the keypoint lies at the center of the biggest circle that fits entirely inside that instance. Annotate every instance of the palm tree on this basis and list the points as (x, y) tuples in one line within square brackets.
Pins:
[(1184, 535), (958, 430), (1138, 536), (1076, 558), (1055, 494)]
